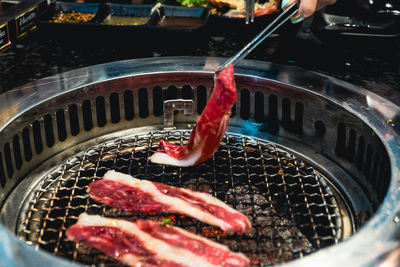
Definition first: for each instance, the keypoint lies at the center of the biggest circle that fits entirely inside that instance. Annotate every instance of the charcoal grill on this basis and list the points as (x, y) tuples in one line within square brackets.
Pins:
[(312, 161)]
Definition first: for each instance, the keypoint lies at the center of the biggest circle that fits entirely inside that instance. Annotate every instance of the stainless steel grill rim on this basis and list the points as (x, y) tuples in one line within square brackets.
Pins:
[(354, 104)]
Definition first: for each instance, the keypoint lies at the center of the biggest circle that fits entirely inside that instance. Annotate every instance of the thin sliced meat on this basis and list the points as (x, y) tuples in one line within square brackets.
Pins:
[(124, 192), (209, 130), (147, 243)]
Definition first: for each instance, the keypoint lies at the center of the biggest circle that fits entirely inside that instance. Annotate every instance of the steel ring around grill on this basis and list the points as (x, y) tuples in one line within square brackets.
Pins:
[(309, 159)]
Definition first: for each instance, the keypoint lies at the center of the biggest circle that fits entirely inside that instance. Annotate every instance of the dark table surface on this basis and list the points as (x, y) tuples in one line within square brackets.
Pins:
[(369, 62)]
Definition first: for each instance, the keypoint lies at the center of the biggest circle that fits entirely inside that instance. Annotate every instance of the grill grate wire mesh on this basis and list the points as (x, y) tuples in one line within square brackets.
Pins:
[(293, 209)]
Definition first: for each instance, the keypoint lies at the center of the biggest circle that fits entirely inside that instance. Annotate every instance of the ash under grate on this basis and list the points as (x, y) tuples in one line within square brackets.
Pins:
[(293, 209)]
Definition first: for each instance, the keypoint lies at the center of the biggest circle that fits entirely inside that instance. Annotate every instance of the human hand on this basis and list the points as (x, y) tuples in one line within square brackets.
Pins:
[(306, 7)]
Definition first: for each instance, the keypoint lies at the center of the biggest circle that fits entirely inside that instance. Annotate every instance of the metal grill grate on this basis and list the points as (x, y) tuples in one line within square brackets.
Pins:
[(293, 209)]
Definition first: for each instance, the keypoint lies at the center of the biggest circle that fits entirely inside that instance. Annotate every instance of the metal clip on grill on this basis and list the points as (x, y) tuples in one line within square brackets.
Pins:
[(176, 104)]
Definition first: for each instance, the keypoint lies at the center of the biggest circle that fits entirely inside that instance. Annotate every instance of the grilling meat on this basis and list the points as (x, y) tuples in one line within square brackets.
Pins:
[(209, 130), (124, 192), (147, 243)]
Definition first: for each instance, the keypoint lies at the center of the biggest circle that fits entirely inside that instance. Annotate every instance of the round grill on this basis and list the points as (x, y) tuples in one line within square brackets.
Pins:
[(309, 159), (293, 209)]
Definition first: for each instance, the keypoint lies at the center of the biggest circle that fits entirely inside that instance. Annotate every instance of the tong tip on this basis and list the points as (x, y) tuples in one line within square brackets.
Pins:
[(218, 69)]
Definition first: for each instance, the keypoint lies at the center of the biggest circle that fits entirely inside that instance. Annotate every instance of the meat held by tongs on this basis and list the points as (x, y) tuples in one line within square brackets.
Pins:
[(209, 130)]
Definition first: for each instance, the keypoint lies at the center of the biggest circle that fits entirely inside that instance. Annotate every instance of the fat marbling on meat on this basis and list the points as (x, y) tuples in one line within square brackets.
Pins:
[(147, 243), (209, 130), (127, 193)]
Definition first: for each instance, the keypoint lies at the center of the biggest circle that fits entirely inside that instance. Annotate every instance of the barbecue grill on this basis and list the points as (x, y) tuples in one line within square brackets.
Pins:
[(311, 160)]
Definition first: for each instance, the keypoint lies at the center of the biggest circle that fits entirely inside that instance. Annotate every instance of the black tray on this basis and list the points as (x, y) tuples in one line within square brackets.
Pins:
[(65, 7), (359, 20), (363, 27), (222, 24), (73, 32), (95, 30)]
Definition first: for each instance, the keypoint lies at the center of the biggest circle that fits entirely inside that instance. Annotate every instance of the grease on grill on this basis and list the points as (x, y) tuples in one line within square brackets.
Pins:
[(72, 17), (292, 209)]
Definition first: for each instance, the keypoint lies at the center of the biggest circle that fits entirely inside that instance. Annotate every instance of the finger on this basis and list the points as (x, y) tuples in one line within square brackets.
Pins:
[(286, 3), (306, 8)]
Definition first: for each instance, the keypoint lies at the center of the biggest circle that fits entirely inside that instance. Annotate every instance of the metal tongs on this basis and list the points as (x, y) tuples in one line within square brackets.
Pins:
[(249, 12), (281, 19)]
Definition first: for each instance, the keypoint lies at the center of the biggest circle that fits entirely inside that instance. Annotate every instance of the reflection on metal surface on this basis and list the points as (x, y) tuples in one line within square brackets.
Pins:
[(326, 123), (392, 259)]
